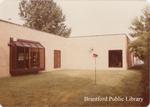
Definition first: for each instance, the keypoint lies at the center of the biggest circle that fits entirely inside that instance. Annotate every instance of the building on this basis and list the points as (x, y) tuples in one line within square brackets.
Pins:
[(25, 50)]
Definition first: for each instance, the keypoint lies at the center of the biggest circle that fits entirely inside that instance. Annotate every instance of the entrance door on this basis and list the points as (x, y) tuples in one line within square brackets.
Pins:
[(57, 58)]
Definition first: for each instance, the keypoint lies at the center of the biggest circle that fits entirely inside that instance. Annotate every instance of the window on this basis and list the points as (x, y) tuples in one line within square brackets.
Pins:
[(22, 58), (115, 58), (34, 54), (26, 57)]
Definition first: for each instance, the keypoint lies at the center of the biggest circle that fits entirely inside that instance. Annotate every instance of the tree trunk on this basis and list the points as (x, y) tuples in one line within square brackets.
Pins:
[(145, 77)]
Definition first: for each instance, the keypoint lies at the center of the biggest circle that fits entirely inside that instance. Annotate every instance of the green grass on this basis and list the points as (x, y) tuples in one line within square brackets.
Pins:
[(68, 88)]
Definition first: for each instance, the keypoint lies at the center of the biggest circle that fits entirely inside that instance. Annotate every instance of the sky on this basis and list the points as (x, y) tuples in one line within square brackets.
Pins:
[(88, 17)]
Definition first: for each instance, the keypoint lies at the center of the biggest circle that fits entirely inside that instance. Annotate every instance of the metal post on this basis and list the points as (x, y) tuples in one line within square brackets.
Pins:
[(95, 70)]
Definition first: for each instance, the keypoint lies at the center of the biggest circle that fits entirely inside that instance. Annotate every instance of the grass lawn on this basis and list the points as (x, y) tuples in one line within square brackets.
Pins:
[(68, 88)]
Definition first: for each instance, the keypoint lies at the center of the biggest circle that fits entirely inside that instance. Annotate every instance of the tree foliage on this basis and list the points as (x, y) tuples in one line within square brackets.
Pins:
[(141, 31), (44, 15), (140, 47)]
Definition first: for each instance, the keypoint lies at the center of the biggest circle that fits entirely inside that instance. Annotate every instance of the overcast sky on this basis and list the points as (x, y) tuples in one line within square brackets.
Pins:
[(88, 17)]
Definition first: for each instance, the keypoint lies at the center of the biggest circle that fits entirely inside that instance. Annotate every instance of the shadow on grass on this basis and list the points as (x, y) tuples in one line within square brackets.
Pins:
[(144, 83)]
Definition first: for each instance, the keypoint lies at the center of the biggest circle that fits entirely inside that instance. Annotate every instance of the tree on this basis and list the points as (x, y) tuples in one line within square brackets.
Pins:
[(44, 15), (141, 48), (141, 31)]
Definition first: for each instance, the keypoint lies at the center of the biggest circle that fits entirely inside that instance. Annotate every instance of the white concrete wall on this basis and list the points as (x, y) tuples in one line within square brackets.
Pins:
[(74, 51), (79, 57), (49, 41)]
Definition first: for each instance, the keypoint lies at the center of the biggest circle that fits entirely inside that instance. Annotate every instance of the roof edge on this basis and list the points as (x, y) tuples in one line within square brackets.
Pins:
[(65, 37), (28, 27), (100, 35), (10, 22)]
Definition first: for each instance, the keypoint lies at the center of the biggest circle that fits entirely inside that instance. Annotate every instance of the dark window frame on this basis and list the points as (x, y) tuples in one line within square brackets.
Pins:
[(115, 58)]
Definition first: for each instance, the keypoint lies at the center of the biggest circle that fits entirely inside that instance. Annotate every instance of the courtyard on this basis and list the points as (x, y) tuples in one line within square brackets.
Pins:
[(69, 88)]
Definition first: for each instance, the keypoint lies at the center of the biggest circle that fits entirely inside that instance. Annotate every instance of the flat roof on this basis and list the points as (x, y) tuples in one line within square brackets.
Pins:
[(121, 34)]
